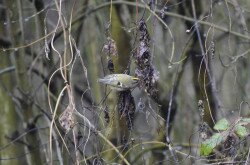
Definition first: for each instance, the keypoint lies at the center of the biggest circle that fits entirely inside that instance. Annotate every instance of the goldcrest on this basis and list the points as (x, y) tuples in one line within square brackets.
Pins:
[(120, 82)]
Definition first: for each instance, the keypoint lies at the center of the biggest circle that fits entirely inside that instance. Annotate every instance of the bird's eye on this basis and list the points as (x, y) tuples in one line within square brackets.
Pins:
[(119, 83)]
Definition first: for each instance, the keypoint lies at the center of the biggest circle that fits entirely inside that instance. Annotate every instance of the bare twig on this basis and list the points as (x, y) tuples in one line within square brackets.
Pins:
[(6, 70)]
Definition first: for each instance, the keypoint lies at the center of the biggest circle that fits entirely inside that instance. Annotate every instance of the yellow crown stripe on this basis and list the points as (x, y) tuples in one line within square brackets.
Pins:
[(135, 78)]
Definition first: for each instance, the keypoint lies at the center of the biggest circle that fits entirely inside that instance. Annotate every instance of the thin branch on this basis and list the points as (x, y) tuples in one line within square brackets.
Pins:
[(208, 70), (6, 70), (92, 128), (104, 5)]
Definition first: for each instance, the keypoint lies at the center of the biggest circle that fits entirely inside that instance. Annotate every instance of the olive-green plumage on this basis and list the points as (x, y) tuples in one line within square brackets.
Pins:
[(120, 82)]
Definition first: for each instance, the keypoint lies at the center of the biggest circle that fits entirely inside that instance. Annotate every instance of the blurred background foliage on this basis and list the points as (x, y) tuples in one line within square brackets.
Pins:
[(54, 111)]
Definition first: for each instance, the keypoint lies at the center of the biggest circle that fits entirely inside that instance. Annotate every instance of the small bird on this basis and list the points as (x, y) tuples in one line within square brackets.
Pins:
[(120, 82)]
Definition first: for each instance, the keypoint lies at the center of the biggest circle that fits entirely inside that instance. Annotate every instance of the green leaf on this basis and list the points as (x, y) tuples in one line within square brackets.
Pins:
[(241, 131), (221, 125), (208, 145)]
